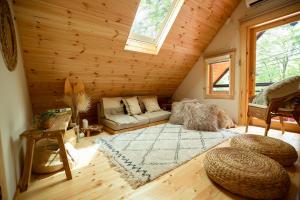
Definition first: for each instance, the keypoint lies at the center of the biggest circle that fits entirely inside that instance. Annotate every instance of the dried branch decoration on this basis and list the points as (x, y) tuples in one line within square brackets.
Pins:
[(76, 98)]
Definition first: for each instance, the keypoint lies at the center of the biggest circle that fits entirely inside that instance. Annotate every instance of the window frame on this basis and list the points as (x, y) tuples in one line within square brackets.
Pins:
[(143, 44), (208, 61), (246, 74)]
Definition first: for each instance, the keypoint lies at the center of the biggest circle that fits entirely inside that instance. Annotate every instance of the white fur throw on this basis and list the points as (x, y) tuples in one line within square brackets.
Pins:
[(224, 120), (177, 115), (194, 115), (201, 117)]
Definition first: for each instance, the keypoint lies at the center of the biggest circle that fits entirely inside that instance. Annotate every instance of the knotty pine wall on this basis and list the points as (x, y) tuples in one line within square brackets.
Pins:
[(85, 39)]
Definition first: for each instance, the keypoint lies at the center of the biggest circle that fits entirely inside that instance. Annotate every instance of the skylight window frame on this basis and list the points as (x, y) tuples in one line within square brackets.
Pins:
[(144, 44)]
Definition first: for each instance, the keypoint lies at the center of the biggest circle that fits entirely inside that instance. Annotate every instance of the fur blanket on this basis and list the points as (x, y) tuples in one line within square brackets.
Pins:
[(197, 116)]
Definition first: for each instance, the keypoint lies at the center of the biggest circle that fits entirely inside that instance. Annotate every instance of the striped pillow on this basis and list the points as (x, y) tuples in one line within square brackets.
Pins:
[(132, 105), (151, 104)]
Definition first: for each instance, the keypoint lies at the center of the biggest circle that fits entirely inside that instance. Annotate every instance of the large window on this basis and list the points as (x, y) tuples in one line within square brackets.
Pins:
[(277, 54), (151, 25)]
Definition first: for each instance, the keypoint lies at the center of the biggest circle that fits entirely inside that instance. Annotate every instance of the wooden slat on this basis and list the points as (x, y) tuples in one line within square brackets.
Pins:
[(86, 39), (98, 180)]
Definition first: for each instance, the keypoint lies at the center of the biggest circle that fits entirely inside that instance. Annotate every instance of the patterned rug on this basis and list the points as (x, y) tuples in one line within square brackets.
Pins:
[(145, 154)]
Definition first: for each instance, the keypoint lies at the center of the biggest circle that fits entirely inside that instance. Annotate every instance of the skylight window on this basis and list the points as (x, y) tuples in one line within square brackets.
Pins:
[(153, 21)]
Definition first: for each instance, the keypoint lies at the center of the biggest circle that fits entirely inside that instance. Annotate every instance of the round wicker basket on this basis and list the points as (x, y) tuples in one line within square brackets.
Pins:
[(247, 173), (46, 157), (276, 149)]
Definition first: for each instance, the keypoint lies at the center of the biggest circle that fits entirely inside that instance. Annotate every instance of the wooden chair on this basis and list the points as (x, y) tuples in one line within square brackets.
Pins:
[(274, 109)]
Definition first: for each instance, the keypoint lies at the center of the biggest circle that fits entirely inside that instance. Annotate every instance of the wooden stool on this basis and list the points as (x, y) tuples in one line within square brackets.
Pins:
[(32, 136), (93, 128)]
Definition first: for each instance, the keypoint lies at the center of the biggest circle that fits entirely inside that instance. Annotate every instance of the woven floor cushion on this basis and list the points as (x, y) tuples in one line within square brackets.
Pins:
[(276, 149), (247, 173)]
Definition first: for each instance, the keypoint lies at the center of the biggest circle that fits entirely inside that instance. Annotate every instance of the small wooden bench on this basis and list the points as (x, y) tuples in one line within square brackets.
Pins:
[(32, 136)]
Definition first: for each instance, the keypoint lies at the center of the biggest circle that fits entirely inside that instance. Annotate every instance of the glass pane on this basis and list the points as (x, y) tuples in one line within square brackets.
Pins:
[(150, 17), (220, 76), (277, 54)]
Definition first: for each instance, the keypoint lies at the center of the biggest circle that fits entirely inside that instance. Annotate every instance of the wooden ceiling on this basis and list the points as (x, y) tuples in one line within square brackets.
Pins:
[(85, 39)]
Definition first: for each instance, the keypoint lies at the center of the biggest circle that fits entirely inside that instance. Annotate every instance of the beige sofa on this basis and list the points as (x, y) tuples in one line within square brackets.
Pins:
[(112, 114)]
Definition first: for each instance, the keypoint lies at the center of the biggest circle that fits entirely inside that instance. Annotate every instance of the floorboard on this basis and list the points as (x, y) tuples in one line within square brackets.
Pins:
[(94, 178)]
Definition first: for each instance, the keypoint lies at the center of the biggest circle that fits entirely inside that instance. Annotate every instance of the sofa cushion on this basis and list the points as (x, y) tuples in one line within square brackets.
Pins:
[(112, 106), (157, 116), (151, 104), (142, 118), (132, 105), (118, 122)]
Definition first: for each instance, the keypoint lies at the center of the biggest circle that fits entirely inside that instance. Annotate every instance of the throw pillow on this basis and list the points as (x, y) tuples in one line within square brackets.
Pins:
[(132, 105), (201, 117), (151, 104)]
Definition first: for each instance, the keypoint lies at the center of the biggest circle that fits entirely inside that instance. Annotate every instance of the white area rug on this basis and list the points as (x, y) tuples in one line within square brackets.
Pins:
[(145, 154)]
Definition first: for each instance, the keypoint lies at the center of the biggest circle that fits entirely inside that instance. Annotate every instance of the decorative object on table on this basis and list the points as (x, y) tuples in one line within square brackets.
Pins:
[(247, 173), (77, 99), (53, 119), (85, 123), (145, 154), (92, 129), (281, 99), (8, 39), (276, 149), (32, 137)]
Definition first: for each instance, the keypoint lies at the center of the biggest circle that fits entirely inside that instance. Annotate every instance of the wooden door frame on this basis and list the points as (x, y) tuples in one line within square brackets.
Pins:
[(2, 172), (247, 75)]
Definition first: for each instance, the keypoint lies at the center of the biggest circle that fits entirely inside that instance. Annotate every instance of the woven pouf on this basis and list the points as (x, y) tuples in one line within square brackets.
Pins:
[(276, 149), (247, 173)]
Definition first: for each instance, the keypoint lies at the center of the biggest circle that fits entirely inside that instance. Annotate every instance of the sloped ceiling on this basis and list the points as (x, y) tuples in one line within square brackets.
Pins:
[(85, 39)]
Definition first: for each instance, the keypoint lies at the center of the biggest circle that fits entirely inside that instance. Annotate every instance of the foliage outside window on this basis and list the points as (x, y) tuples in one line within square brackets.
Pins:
[(277, 54), (151, 25), (220, 76)]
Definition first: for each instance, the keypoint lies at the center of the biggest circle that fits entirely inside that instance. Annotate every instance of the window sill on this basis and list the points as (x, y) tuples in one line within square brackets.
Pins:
[(142, 47)]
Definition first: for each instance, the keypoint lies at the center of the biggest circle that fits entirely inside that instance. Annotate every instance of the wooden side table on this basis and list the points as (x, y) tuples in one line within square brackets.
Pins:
[(32, 136), (93, 128)]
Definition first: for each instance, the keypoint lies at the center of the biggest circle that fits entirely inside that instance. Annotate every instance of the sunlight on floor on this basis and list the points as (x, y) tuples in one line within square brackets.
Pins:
[(82, 156)]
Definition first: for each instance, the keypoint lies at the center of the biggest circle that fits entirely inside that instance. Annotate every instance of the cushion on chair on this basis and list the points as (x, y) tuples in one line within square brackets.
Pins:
[(247, 173), (257, 105), (276, 149), (283, 88), (279, 89)]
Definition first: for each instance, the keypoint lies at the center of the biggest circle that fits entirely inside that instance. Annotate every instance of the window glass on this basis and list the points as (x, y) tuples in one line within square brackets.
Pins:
[(150, 17)]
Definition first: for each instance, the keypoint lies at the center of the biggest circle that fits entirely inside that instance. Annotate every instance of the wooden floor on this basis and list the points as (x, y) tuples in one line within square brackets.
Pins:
[(93, 178)]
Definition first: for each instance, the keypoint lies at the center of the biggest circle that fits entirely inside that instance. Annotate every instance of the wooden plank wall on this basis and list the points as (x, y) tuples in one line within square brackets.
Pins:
[(85, 39)]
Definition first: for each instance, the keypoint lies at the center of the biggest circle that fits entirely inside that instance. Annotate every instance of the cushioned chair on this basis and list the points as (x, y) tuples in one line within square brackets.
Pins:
[(280, 99)]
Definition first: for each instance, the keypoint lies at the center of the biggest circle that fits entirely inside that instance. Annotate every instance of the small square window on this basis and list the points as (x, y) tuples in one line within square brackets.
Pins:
[(151, 25), (220, 76)]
